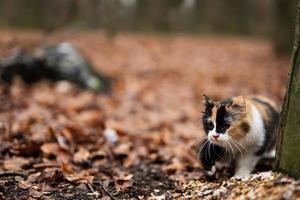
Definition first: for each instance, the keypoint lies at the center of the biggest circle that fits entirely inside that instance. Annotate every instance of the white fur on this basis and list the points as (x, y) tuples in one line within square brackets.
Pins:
[(270, 154), (245, 165), (253, 140), (212, 171)]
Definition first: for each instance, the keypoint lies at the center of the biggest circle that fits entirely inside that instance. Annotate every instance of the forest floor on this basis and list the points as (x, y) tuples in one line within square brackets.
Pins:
[(61, 142)]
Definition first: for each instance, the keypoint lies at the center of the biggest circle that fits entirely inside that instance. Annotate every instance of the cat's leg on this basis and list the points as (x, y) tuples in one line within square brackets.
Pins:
[(208, 155), (270, 154), (245, 165)]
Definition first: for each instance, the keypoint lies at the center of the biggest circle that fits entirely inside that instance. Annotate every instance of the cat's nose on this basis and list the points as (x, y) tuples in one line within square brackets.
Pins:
[(216, 136)]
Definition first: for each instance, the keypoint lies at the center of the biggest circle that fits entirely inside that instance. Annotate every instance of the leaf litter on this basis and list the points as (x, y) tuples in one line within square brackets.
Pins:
[(139, 142)]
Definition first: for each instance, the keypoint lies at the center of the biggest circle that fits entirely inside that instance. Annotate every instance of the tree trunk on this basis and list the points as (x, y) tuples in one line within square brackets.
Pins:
[(288, 146)]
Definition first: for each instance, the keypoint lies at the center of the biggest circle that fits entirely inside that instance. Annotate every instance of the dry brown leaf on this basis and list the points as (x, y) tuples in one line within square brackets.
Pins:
[(81, 156), (172, 168), (82, 177), (123, 180), (62, 156), (35, 193), (122, 185), (50, 148), (15, 163), (24, 185), (89, 117)]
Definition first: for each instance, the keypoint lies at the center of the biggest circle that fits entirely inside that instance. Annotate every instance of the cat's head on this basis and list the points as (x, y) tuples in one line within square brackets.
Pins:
[(225, 121)]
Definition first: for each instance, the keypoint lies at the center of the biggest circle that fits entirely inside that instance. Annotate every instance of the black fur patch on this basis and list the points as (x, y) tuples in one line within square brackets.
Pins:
[(209, 154), (270, 128), (221, 122), (205, 118)]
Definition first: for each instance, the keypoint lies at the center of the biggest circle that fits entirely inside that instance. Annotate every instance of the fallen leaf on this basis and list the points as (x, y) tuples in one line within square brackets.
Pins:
[(81, 156), (15, 163), (50, 148)]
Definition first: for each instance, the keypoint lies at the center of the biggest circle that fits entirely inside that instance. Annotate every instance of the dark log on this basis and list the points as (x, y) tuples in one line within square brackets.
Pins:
[(57, 62)]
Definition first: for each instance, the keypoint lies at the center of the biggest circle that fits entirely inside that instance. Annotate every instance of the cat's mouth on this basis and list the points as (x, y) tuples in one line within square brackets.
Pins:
[(215, 141)]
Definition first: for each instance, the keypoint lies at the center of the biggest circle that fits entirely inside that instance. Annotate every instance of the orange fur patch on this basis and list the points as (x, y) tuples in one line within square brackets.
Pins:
[(263, 109), (241, 108), (237, 130), (214, 113)]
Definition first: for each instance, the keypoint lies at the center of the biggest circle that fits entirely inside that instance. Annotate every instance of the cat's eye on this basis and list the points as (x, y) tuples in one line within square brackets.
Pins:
[(210, 125), (226, 126)]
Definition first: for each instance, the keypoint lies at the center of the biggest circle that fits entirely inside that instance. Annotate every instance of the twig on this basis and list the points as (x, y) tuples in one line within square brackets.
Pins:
[(46, 165), (13, 173), (107, 191), (94, 192), (90, 187)]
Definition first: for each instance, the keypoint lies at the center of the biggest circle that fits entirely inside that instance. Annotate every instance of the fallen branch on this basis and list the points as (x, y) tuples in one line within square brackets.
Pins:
[(13, 173)]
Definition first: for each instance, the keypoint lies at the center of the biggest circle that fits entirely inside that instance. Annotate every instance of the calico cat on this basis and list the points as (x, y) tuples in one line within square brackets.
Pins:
[(240, 129)]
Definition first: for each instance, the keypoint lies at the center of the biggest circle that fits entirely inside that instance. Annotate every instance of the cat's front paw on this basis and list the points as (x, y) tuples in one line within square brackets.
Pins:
[(212, 171), (242, 174), (210, 175)]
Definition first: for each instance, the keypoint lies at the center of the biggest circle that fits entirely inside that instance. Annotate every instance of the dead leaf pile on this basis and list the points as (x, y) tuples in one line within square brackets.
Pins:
[(62, 142)]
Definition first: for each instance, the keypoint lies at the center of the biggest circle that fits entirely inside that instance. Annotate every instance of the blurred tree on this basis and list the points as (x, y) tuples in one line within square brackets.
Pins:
[(146, 15), (9, 12), (110, 16), (63, 11), (89, 12), (200, 15), (288, 149), (127, 14), (284, 14), (157, 14)]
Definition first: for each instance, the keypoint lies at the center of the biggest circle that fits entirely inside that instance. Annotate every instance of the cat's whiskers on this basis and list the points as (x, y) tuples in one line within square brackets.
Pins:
[(236, 145), (226, 151), (201, 148), (209, 155), (207, 150), (203, 145), (241, 145), (215, 151), (231, 149)]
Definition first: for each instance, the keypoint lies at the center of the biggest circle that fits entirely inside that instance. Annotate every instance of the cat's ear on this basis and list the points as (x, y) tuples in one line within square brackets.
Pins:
[(207, 101), (239, 101), (239, 104)]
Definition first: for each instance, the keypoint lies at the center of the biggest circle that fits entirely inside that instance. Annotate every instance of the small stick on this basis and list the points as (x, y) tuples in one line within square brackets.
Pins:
[(107, 191), (46, 165), (90, 187), (13, 173)]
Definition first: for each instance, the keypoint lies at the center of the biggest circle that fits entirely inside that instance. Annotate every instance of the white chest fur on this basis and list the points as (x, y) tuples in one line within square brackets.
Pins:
[(255, 138), (253, 141)]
